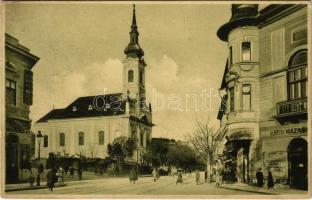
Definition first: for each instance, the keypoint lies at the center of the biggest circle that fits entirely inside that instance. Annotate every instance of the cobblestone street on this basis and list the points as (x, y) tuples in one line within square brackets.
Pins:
[(146, 186)]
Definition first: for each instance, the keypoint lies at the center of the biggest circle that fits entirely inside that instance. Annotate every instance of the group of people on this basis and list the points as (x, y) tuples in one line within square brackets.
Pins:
[(55, 175), (260, 182)]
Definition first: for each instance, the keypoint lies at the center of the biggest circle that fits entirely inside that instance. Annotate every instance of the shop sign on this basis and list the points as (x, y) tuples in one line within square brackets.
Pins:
[(289, 131), (241, 133)]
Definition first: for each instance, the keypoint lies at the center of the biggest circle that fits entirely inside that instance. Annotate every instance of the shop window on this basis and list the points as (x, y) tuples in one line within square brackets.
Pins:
[(101, 137), (232, 99), (130, 76), (297, 76), (246, 96), (10, 95), (62, 139), (45, 141), (246, 51), (81, 138)]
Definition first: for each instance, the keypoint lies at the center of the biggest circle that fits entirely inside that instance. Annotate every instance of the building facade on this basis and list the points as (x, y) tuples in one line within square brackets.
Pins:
[(89, 124), (18, 99), (264, 110)]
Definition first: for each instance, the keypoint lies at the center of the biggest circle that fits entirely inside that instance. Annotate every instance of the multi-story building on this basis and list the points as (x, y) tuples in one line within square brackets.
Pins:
[(264, 117), (89, 124), (18, 99)]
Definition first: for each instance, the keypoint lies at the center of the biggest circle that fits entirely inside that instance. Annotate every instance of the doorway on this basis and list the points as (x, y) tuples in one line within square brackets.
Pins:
[(297, 164)]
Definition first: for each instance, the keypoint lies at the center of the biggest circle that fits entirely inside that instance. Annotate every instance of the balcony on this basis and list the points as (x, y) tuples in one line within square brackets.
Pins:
[(292, 109)]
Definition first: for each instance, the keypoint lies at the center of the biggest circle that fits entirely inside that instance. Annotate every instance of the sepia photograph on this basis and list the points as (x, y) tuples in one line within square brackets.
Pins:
[(138, 99)]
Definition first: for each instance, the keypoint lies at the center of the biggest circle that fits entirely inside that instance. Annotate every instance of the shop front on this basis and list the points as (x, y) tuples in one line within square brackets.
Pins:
[(237, 154), (285, 154)]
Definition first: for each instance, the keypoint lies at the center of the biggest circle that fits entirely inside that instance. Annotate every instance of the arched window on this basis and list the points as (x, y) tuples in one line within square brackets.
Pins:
[(297, 75), (130, 76), (101, 137), (62, 139), (45, 141)]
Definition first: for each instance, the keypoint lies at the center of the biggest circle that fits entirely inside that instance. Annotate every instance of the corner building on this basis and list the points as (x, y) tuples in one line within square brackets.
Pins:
[(263, 113)]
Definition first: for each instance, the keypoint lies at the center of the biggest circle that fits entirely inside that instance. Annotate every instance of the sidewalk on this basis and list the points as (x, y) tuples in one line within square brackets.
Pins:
[(26, 186), (277, 190)]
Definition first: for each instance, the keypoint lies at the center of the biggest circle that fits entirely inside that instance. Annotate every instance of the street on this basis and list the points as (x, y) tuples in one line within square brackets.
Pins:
[(166, 185)]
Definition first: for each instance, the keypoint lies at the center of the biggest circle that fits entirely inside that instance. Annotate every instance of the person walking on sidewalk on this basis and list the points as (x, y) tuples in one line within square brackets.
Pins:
[(133, 176), (154, 174), (31, 178), (80, 173), (270, 180), (197, 177), (51, 178), (259, 176)]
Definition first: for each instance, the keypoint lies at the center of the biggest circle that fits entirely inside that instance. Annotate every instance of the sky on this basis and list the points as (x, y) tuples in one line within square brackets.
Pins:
[(81, 51)]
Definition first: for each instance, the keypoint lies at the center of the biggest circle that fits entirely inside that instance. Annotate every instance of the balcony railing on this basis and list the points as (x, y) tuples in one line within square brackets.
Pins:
[(292, 107)]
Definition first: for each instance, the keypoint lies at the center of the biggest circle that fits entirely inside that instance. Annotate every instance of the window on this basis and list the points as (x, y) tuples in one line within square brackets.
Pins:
[(141, 77), (231, 55), (232, 99), (246, 96), (62, 139), (81, 138), (299, 35), (10, 96), (28, 87), (45, 141), (142, 139), (246, 51), (101, 137), (74, 108), (297, 76), (130, 76)]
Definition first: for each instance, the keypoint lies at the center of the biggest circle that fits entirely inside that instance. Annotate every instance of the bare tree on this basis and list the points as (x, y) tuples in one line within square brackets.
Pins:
[(203, 141), (92, 149)]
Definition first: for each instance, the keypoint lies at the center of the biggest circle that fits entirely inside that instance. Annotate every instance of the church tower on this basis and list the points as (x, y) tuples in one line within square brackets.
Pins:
[(134, 68)]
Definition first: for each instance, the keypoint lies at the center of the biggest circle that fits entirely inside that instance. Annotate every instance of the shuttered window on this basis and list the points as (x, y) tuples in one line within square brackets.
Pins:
[(28, 87)]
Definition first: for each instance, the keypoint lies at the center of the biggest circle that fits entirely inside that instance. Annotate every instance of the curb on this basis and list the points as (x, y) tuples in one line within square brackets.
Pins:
[(32, 188), (253, 191)]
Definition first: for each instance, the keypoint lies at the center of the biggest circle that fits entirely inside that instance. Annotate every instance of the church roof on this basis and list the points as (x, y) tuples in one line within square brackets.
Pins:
[(89, 106)]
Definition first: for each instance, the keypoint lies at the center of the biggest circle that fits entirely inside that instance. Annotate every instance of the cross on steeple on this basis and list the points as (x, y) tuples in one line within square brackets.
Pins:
[(133, 49)]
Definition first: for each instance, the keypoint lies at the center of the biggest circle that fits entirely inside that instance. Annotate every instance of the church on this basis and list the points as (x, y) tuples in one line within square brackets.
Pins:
[(90, 123)]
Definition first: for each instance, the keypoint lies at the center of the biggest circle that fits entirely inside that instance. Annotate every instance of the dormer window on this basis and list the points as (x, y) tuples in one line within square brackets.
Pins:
[(74, 108), (90, 107)]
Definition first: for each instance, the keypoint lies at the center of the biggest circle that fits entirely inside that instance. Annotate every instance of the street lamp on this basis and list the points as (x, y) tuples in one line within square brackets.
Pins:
[(39, 138)]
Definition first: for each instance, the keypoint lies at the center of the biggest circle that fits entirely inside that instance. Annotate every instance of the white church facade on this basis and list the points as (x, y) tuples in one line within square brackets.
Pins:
[(89, 124)]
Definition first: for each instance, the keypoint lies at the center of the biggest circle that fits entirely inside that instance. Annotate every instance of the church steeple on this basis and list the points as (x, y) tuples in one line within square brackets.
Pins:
[(133, 49)]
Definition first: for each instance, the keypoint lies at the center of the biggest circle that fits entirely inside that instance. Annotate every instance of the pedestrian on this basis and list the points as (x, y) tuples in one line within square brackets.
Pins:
[(197, 177), (51, 177), (154, 174), (259, 176), (80, 173), (71, 171), (133, 176), (270, 180), (218, 179), (61, 176), (179, 176), (206, 176), (157, 174), (31, 178)]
